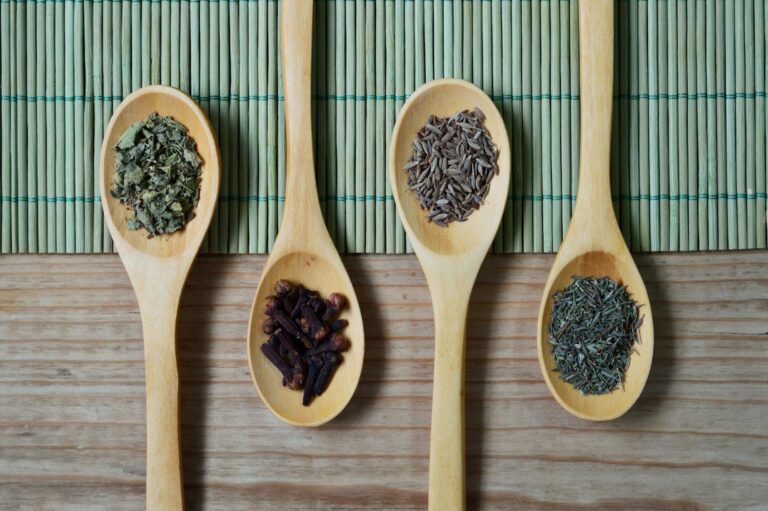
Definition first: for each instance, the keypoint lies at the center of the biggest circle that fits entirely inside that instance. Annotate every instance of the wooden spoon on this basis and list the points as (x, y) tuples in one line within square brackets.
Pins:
[(451, 258), (303, 251), (158, 268), (594, 245)]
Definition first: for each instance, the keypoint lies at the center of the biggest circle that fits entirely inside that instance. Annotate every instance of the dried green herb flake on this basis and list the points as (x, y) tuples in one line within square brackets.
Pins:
[(157, 174)]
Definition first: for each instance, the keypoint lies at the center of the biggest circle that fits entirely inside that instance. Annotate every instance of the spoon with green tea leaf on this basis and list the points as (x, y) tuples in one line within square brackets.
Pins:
[(594, 246), (158, 267), (450, 257)]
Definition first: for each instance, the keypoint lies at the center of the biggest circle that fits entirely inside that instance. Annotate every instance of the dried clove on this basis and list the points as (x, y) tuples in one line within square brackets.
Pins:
[(285, 321), (339, 325), (269, 307), (309, 389), (330, 361), (304, 342), (317, 329), (339, 343), (293, 358), (336, 343), (268, 326), (321, 348), (276, 359), (283, 287), (286, 340), (333, 306), (294, 305), (337, 300), (297, 381), (318, 305)]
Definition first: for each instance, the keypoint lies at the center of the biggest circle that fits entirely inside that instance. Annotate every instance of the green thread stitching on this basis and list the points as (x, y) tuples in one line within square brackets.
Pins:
[(384, 198), (275, 97), (691, 96), (399, 97), (230, 1)]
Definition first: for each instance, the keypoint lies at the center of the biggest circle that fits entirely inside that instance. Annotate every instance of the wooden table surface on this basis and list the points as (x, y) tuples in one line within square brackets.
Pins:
[(72, 395)]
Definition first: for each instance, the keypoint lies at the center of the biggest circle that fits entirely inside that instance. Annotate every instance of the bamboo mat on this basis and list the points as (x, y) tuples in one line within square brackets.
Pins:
[(689, 139)]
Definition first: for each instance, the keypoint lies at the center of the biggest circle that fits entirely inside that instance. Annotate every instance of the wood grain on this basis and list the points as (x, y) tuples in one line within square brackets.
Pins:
[(72, 395)]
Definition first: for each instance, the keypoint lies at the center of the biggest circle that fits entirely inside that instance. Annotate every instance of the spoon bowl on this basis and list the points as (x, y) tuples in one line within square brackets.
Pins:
[(444, 98), (619, 267), (303, 252), (136, 107), (314, 272), (594, 245), (158, 268), (450, 257)]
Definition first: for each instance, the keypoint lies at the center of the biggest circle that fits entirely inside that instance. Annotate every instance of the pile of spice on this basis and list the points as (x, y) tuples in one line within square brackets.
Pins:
[(305, 340), (451, 166), (592, 331), (157, 174)]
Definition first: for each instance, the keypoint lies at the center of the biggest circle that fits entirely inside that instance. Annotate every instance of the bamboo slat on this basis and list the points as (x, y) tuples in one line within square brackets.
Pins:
[(689, 139)]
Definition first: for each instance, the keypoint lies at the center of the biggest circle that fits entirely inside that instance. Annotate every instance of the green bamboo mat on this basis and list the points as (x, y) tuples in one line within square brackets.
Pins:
[(689, 138)]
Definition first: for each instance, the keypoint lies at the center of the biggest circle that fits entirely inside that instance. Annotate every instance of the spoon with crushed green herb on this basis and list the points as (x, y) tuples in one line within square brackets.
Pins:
[(595, 331), (159, 185)]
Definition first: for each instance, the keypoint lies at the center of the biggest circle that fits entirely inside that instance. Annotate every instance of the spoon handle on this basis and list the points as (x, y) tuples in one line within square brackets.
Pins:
[(596, 92), (446, 450), (158, 316), (302, 205)]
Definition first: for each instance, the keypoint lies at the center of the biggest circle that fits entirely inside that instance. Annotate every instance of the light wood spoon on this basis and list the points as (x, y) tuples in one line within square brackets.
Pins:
[(451, 258), (303, 251), (594, 245), (158, 268)]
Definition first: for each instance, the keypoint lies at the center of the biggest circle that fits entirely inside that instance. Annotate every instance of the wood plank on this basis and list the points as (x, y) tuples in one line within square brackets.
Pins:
[(72, 394)]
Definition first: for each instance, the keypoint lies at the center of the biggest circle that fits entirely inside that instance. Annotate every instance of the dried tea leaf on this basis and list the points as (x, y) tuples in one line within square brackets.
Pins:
[(128, 138), (157, 174), (592, 332)]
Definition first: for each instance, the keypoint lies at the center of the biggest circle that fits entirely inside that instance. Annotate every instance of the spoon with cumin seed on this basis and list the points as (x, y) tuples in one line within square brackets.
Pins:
[(450, 257)]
